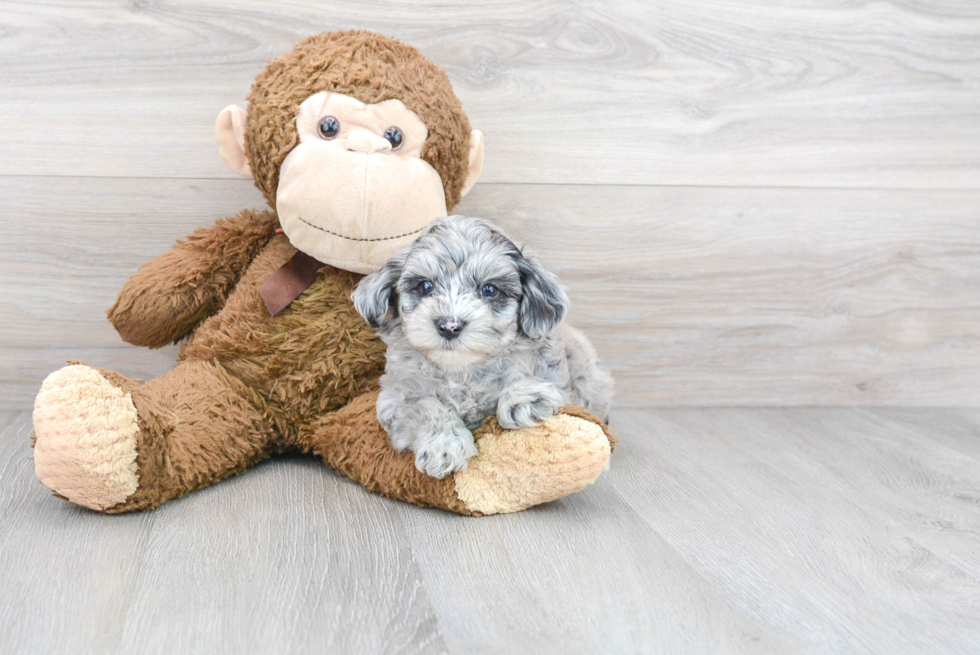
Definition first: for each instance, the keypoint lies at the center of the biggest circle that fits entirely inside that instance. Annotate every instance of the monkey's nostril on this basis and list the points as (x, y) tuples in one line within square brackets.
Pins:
[(449, 328)]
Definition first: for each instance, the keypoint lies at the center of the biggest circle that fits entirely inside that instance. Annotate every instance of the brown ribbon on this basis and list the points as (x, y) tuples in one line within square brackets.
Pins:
[(289, 281)]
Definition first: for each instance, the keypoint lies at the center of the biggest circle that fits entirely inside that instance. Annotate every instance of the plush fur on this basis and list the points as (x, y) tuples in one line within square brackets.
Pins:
[(359, 64), (248, 385), (474, 329)]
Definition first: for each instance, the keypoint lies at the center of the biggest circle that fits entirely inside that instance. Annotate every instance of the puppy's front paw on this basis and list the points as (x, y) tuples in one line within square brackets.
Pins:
[(445, 452), (527, 403)]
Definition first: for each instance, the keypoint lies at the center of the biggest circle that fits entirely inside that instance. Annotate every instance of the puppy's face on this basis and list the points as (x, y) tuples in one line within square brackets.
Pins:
[(458, 301), (461, 293)]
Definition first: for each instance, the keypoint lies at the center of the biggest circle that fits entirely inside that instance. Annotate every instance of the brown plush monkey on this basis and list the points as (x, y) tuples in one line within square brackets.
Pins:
[(358, 141)]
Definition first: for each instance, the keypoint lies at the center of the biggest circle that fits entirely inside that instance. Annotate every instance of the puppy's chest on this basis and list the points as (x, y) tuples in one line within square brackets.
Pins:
[(473, 394)]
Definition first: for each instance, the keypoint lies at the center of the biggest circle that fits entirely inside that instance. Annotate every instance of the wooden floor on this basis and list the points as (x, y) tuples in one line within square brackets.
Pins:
[(752, 204), (714, 531)]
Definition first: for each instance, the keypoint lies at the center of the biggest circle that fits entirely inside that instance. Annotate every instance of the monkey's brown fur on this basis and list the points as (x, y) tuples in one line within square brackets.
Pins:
[(255, 384), (248, 385)]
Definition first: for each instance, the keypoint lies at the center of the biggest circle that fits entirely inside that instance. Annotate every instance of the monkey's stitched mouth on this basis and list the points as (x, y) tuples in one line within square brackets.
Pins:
[(344, 236)]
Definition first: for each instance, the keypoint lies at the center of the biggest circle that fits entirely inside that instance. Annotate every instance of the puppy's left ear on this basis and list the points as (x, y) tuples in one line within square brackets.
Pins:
[(375, 297), (543, 300)]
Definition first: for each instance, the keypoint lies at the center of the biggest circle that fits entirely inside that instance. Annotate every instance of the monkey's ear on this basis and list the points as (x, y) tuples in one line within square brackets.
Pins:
[(543, 300), (375, 297), (229, 132), (475, 163)]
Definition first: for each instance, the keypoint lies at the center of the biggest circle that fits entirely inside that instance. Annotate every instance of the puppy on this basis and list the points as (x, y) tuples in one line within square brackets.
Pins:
[(474, 328)]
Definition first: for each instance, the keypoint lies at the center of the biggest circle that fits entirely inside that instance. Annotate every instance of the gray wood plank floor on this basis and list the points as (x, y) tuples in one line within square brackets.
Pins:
[(715, 530)]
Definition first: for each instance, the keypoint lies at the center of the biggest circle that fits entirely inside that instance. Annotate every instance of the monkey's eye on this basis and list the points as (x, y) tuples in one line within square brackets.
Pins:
[(394, 136), (488, 291), (329, 127), (425, 288)]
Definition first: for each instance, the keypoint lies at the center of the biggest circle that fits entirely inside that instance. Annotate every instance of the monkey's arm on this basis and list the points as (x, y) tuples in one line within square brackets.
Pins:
[(514, 470), (168, 296)]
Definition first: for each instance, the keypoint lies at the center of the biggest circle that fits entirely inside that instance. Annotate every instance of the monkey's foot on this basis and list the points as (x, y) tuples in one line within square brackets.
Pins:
[(86, 433), (517, 469)]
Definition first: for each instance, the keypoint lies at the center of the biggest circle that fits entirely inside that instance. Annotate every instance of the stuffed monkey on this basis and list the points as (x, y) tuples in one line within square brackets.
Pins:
[(357, 141)]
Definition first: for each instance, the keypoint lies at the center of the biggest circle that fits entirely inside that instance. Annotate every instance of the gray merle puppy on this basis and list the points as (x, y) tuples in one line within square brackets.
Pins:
[(474, 328)]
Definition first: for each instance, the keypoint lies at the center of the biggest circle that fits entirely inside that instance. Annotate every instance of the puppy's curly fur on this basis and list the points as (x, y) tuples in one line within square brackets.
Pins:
[(474, 328)]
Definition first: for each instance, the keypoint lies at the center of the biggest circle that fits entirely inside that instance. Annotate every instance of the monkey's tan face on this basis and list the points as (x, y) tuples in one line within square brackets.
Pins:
[(355, 190)]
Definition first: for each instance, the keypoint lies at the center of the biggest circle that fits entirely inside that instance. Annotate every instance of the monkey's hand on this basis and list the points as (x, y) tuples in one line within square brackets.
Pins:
[(525, 402), (170, 295)]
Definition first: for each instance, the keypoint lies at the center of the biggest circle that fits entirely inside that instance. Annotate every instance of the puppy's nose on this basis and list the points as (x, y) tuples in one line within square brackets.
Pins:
[(449, 328)]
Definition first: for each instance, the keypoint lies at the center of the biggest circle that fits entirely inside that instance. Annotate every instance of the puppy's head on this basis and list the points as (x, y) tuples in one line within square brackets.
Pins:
[(462, 292)]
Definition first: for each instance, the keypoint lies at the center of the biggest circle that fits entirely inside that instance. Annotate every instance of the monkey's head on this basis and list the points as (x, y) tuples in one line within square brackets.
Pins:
[(357, 141)]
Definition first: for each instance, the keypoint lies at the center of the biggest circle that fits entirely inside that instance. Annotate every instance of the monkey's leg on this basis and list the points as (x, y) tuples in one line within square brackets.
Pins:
[(514, 470), (114, 445)]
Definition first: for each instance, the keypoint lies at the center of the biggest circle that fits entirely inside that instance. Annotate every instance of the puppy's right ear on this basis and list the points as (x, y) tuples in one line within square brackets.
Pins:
[(375, 297)]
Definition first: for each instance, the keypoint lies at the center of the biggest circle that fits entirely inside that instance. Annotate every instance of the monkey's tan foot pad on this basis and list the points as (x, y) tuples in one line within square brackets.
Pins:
[(517, 469), (85, 433)]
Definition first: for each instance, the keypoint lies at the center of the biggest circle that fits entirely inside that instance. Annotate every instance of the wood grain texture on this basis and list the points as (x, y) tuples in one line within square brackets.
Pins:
[(715, 530), (585, 575), (837, 505), (285, 558), (812, 93), (66, 578), (693, 296)]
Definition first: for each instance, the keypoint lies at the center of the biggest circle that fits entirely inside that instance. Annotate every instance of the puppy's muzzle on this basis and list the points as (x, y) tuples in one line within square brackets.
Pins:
[(449, 328)]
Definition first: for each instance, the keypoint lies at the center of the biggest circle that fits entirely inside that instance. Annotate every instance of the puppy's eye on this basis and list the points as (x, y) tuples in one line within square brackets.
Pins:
[(425, 288), (329, 127), (394, 136), (488, 291)]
